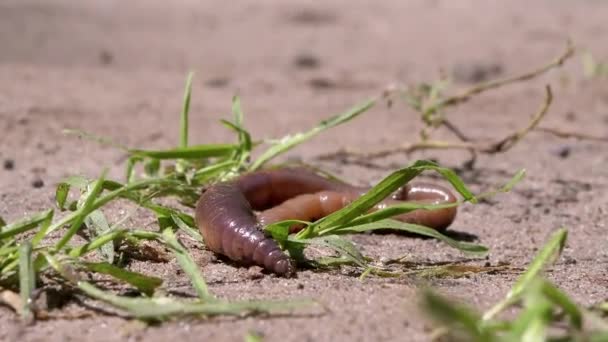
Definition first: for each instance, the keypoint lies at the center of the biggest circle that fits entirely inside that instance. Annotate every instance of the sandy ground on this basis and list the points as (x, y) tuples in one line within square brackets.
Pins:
[(117, 69)]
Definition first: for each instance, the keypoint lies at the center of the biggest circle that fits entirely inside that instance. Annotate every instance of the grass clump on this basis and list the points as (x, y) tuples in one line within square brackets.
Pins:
[(31, 255), (546, 313)]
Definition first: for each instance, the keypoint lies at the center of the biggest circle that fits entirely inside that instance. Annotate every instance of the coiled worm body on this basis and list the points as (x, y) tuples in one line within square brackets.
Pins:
[(226, 212)]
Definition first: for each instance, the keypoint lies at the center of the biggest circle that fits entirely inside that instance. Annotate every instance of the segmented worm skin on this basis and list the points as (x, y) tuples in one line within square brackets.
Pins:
[(225, 212)]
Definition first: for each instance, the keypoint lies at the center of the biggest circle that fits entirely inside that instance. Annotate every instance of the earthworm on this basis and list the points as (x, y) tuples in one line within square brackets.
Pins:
[(225, 212)]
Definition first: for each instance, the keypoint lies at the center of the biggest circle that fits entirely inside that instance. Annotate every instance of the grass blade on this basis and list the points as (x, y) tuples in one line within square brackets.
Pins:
[(456, 317), (97, 242), (466, 247), (289, 142), (98, 225), (380, 192), (27, 280), (61, 195), (558, 297), (187, 264), (83, 212), (187, 228), (143, 283), (162, 307), (44, 227), (398, 209), (546, 255), (344, 247), (189, 152), (183, 123), (25, 224)]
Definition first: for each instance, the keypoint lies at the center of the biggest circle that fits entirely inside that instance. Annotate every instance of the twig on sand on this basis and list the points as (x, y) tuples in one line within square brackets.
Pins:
[(433, 118)]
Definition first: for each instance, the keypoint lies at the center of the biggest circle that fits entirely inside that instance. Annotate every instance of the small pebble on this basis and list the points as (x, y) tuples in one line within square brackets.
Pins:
[(476, 72), (300, 286), (105, 57), (306, 61), (38, 183), (321, 83), (217, 82), (9, 164), (562, 151)]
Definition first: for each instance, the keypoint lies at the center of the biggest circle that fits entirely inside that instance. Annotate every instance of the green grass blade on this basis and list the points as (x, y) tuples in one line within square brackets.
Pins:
[(244, 136), (204, 174), (342, 246), (83, 212), (187, 228), (122, 191), (99, 224), (398, 209), (162, 307), (143, 283), (466, 247), (519, 175), (97, 242), (183, 123), (189, 152), (280, 230), (289, 142), (364, 203), (546, 255), (455, 316), (45, 224), (253, 336), (24, 224), (187, 264), (61, 195), (27, 280), (556, 296)]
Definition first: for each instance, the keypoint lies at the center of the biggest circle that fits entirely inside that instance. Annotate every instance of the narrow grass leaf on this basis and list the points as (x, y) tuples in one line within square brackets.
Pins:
[(63, 268), (380, 192), (61, 195), (143, 283), (187, 264), (25, 224), (81, 214), (152, 167), (519, 175), (186, 228), (556, 296), (375, 195), (342, 246), (98, 225), (253, 336), (466, 247), (45, 224), (398, 209), (546, 255), (98, 242), (280, 230), (455, 316), (183, 119), (123, 191), (206, 173), (78, 182), (532, 323), (27, 280), (289, 142), (189, 152), (159, 308), (454, 180)]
